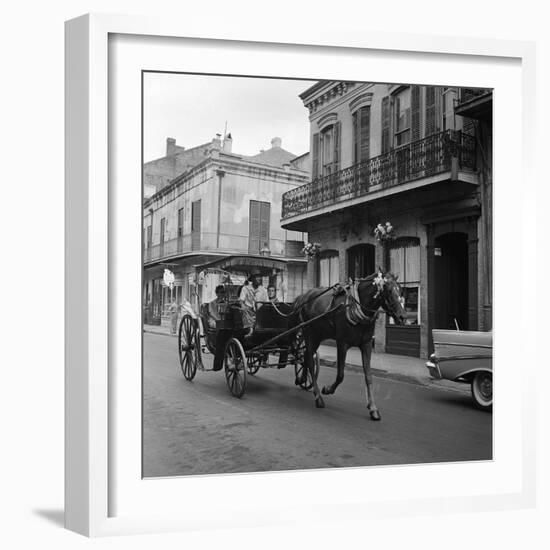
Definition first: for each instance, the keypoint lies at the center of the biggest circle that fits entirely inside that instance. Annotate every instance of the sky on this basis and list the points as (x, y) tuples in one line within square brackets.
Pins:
[(193, 108)]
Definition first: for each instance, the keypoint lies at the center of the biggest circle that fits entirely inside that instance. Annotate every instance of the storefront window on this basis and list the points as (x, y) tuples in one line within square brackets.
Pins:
[(405, 263)]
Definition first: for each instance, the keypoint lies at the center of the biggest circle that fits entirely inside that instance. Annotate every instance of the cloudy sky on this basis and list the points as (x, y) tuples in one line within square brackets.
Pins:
[(193, 108)]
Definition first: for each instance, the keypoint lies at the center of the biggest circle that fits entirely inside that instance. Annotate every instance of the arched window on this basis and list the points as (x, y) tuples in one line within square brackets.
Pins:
[(328, 272), (404, 256), (360, 260)]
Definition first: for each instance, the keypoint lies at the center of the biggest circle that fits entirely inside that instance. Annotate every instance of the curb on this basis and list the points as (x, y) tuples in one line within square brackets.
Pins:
[(378, 373)]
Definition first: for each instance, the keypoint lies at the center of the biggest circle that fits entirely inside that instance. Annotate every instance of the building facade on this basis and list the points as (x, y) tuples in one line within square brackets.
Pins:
[(221, 204), (407, 155)]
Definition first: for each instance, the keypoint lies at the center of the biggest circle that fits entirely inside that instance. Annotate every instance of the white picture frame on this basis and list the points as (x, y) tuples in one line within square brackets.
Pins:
[(102, 407)]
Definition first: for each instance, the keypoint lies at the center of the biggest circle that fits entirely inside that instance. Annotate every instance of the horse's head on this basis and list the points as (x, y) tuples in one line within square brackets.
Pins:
[(389, 293)]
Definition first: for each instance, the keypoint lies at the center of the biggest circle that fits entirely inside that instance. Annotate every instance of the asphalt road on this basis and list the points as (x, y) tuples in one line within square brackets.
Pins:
[(198, 427)]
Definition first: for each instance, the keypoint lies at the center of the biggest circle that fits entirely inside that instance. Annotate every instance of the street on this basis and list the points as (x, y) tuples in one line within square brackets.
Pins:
[(197, 427)]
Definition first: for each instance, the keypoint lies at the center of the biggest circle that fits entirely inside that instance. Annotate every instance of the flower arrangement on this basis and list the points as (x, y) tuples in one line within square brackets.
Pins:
[(311, 250), (384, 233)]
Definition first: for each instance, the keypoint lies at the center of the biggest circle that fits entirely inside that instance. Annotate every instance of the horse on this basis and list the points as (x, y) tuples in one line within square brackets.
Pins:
[(347, 314)]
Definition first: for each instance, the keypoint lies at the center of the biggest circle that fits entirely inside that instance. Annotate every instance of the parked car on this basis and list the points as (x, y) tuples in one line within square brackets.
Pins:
[(465, 356)]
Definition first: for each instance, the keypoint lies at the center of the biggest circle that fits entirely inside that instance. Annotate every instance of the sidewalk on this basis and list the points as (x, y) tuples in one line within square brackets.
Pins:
[(384, 365)]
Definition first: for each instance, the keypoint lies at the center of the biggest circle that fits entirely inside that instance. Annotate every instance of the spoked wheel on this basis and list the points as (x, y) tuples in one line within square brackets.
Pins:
[(299, 350), (188, 347), (235, 365), (253, 365), (482, 390)]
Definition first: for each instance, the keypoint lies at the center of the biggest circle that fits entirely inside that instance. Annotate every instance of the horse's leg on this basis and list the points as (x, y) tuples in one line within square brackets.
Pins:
[(311, 348), (366, 350), (342, 350)]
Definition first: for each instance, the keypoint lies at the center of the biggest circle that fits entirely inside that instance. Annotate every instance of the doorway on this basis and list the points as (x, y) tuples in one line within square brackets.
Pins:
[(361, 260), (451, 281)]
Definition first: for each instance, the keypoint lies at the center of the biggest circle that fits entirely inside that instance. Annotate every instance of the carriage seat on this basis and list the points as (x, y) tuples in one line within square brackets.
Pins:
[(268, 318)]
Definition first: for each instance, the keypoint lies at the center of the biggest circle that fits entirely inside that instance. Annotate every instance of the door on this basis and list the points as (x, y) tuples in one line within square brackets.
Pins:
[(451, 281)]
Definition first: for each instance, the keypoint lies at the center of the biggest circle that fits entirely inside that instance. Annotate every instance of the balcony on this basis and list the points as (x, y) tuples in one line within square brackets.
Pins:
[(167, 249), (475, 103), (448, 151)]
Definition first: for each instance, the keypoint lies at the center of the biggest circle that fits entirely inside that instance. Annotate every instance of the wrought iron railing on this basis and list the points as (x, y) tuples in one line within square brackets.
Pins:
[(169, 248), (467, 94), (420, 159)]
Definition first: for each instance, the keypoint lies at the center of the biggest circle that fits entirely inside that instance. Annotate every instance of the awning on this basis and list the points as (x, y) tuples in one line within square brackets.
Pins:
[(248, 264)]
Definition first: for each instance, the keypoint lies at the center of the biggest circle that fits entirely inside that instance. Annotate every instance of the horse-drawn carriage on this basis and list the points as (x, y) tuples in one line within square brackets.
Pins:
[(293, 332), (273, 340)]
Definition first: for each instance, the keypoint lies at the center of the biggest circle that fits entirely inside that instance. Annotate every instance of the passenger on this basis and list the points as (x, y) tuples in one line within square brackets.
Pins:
[(213, 307), (272, 294), (252, 293)]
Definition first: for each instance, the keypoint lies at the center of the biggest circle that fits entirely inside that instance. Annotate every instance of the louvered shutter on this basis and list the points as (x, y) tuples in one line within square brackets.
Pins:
[(315, 157), (265, 211), (365, 133), (385, 124), (415, 113), (254, 228), (196, 225), (431, 126), (356, 140), (336, 157)]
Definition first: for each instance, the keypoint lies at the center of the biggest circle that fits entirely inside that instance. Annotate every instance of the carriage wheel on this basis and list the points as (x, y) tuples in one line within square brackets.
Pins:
[(299, 362), (482, 390), (235, 365), (253, 365), (188, 343)]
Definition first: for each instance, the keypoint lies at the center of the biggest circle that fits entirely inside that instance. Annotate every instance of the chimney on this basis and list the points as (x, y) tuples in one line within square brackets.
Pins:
[(217, 142), (170, 147), (227, 143), (276, 142)]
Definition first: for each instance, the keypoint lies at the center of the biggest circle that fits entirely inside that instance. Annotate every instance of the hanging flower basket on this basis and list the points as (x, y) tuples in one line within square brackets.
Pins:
[(384, 232), (311, 250)]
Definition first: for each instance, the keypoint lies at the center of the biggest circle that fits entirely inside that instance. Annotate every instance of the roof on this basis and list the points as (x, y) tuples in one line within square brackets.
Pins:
[(276, 156), (248, 263)]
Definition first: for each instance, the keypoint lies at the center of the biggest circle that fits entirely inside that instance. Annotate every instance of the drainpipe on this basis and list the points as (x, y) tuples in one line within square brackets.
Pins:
[(220, 173)]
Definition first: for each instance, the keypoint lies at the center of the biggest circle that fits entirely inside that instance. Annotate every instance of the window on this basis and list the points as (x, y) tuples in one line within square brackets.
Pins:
[(405, 263), (326, 151), (329, 268), (402, 111), (258, 226), (162, 230), (180, 222), (149, 236), (361, 135)]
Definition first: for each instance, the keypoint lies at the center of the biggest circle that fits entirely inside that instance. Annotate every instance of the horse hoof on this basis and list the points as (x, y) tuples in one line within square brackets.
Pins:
[(319, 403), (375, 415), (325, 391)]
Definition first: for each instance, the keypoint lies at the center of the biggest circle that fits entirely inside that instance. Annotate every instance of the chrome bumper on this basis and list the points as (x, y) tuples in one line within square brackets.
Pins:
[(433, 368)]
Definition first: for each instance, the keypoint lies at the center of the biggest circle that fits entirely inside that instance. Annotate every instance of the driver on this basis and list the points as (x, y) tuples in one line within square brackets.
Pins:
[(213, 307)]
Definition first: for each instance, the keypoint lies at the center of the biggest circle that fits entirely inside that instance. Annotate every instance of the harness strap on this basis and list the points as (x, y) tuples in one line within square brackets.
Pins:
[(354, 310)]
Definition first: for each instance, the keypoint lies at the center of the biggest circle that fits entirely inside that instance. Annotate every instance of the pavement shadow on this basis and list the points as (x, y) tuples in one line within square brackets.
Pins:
[(57, 517)]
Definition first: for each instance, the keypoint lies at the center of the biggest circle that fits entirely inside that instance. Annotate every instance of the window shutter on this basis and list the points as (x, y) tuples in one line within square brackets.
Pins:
[(196, 225), (254, 228), (365, 133), (315, 157), (356, 153), (430, 111), (336, 156), (265, 211), (415, 113), (385, 124)]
